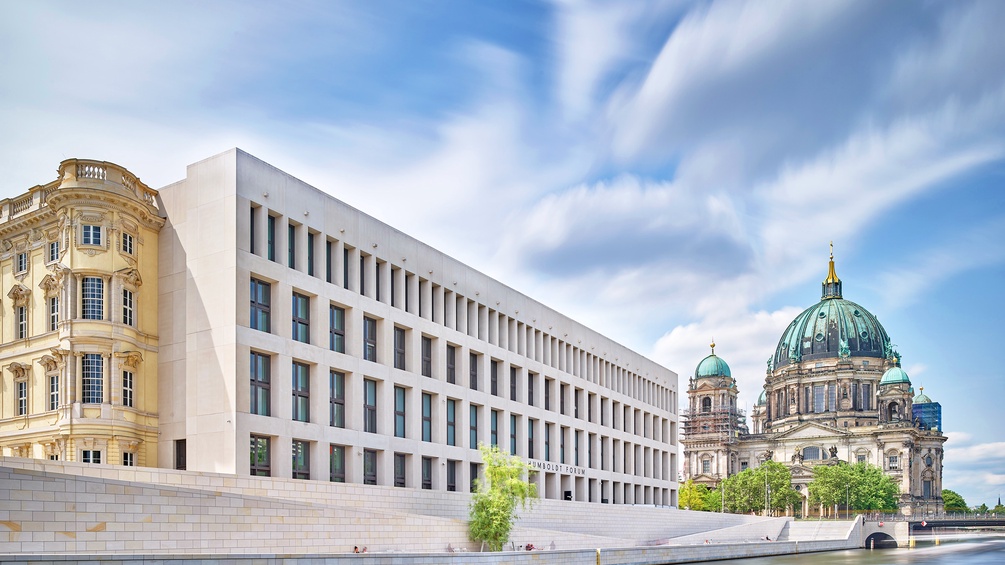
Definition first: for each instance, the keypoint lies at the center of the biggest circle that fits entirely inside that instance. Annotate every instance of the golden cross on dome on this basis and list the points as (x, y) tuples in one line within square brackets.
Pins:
[(712, 345), (832, 250)]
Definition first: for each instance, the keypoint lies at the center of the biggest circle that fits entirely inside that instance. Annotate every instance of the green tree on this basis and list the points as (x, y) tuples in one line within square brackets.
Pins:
[(862, 486), (692, 496), (982, 509), (953, 502), (782, 495), (494, 504), (748, 490)]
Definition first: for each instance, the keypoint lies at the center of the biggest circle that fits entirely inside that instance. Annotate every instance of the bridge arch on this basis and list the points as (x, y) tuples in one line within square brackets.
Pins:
[(880, 540)]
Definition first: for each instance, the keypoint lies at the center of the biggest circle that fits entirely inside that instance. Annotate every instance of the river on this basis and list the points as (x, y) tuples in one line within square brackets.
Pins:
[(970, 551)]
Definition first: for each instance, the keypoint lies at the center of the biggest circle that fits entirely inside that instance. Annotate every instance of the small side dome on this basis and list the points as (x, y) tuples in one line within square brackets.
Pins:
[(894, 375), (922, 398), (763, 399), (712, 366)]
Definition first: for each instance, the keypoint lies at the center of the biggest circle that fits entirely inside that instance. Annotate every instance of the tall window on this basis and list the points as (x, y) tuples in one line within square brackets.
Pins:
[(473, 485), (53, 313), (575, 450), (127, 307), (547, 441), (531, 377), (336, 399), (451, 422), (53, 251), (261, 384), (301, 392), (494, 377), (21, 263), (22, 398), (473, 371), (866, 396), (328, 261), (127, 243), (291, 242), (128, 459), (336, 331), (90, 456), (399, 348), (310, 254), (369, 339), (301, 318), (22, 322), (548, 383), (251, 225), (427, 357), (561, 445), (530, 438), (427, 473), (562, 389), (336, 463), (451, 475), (53, 392), (93, 298), (127, 388), (473, 425), (399, 411), (261, 305), (180, 455), (818, 398), (512, 434), (91, 378), (427, 417), (345, 268), (370, 406), (494, 428), (271, 237), (399, 469), (261, 458), (92, 235), (451, 364), (512, 382), (369, 467), (301, 459)]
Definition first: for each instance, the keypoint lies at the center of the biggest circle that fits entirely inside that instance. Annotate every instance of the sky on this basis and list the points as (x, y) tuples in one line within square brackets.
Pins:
[(665, 172)]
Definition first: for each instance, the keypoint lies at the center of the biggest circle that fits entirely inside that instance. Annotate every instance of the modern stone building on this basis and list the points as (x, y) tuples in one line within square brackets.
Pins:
[(280, 332), (834, 391)]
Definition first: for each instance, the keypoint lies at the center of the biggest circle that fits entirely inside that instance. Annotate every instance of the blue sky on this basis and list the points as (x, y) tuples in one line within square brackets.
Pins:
[(664, 172)]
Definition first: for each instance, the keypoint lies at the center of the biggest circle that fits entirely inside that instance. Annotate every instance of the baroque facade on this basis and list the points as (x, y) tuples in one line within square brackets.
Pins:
[(834, 392), (241, 321)]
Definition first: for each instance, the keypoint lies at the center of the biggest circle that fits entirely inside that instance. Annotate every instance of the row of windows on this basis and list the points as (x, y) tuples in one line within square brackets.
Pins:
[(90, 235), (92, 386), (820, 398), (92, 308), (261, 405), (392, 285)]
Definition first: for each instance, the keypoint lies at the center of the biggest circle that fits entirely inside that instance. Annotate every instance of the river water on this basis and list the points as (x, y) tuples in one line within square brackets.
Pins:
[(971, 551)]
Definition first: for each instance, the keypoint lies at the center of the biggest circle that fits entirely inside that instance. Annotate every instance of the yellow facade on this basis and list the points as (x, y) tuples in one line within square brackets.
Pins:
[(78, 318)]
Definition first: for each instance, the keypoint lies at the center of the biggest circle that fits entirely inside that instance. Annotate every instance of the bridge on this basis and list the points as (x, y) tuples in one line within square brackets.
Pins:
[(901, 531)]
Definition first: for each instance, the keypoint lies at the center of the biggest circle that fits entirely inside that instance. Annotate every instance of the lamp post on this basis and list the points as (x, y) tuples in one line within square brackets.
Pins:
[(766, 497), (847, 499), (722, 495)]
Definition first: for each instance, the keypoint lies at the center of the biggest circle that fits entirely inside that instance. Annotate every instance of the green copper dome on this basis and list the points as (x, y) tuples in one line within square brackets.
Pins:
[(763, 399), (894, 375), (712, 366), (922, 398), (831, 328)]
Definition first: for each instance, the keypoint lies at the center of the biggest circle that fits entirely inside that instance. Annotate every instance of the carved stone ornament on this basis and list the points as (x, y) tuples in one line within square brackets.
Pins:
[(130, 277), (19, 294), (51, 285), (130, 359), (19, 370), (49, 363)]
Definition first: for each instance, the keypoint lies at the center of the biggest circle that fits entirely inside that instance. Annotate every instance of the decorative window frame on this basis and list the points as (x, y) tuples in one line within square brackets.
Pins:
[(126, 279), (128, 231), (92, 219)]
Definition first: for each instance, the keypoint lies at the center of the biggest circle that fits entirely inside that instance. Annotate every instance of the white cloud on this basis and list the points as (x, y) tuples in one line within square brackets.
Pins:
[(985, 453)]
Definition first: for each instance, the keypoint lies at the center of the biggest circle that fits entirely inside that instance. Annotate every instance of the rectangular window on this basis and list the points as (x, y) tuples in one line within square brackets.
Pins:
[(328, 261), (180, 455), (894, 462), (548, 383), (575, 449), (53, 313), (866, 396), (129, 459), (336, 463), (451, 422), (92, 378), (301, 459), (362, 274), (427, 357), (22, 398), (291, 243), (261, 384), (301, 392), (399, 348), (860, 458), (127, 388), (512, 434), (427, 417), (336, 399), (473, 371), (562, 389), (494, 377), (370, 406), (473, 425), (90, 456), (92, 235), (494, 428), (21, 262), (251, 224), (127, 307), (93, 298), (706, 466), (53, 251), (561, 445), (22, 322), (310, 254), (530, 439), (427, 473), (345, 268), (301, 318), (261, 458), (451, 475), (473, 469), (399, 469), (336, 331), (547, 442), (531, 377), (451, 364), (369, 339), (818, 398), (369, 467), (271, 235), (513, 372), (127, 243), (832, 397), (53, 392), (261, 305), (399, 411)]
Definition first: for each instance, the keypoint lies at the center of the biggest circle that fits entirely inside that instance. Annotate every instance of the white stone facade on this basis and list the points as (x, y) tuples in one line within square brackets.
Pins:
[(597, 419)]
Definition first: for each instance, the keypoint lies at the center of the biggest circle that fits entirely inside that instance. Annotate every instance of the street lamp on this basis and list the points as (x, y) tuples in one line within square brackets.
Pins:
[(847, 495)]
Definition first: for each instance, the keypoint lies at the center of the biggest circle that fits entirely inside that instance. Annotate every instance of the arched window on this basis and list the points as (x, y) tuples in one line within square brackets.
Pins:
[(706, 404), (811, 453), (892, 412)]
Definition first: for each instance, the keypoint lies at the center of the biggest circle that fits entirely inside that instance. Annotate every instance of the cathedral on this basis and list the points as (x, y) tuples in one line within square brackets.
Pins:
[(834, 392)]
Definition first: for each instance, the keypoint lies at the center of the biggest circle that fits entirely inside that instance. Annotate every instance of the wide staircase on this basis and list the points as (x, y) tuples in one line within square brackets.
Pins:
[(813, 530)]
